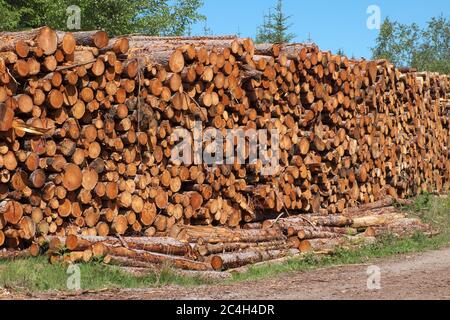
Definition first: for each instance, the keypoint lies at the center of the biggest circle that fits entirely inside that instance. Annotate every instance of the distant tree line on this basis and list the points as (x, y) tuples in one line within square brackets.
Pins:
[(153, 17), (409, 45), (275, 26)]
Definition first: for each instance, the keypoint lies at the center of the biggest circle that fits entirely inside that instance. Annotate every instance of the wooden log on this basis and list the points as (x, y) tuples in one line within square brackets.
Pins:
[(208, 249), (386, 202), (174, 59), (154, 244), (369, 221), (43, 38), (11, 211), (308, 220), (158, 258), (72, 177), (220, 235), (6, 117), (98, 39), (14, 254), (234, 260), (330, 245)]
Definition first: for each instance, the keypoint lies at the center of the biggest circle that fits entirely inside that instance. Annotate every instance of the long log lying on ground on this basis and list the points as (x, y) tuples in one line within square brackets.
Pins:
[(158, 258), (330, 245), (208, 248), (386, 202), (401, 228), (203, 234), (154, 244), (238, 259), (369, 221), (309, 220), (127, 262), (14, 254), (315, 233)]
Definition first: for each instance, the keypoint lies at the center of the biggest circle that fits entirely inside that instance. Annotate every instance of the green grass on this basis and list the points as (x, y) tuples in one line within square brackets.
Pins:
[(36, 274), (433, 210)]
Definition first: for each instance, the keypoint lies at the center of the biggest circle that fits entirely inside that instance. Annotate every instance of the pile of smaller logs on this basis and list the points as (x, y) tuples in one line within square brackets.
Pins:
[(87, 129), (207, 248)]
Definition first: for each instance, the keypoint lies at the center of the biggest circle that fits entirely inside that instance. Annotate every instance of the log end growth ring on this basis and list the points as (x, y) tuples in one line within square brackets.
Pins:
[(47, 40)]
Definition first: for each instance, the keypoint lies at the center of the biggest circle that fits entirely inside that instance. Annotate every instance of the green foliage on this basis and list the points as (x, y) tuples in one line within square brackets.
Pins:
[(264, 31), (10, 18), (433, 210), (421, 203), (275, 26), (410, 46), (153, 17), (206, 30), (434, 52), (340, 52)]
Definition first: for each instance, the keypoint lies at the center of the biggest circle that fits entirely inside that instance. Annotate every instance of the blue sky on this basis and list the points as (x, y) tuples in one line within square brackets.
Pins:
[(332, 24)]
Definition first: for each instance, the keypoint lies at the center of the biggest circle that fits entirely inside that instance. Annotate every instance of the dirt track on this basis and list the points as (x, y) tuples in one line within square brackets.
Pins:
[(417, 276)]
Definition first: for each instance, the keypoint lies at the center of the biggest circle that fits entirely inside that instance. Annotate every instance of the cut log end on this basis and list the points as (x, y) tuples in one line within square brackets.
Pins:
[(47, 40), (217, 263), (176, 61)]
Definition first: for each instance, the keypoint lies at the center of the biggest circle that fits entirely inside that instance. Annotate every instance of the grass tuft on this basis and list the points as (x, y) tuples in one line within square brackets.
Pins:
[(37, 274)]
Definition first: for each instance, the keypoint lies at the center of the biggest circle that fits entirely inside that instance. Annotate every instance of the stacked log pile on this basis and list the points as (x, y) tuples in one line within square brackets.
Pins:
[(294, 235), (87, 125), (208, 248)]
